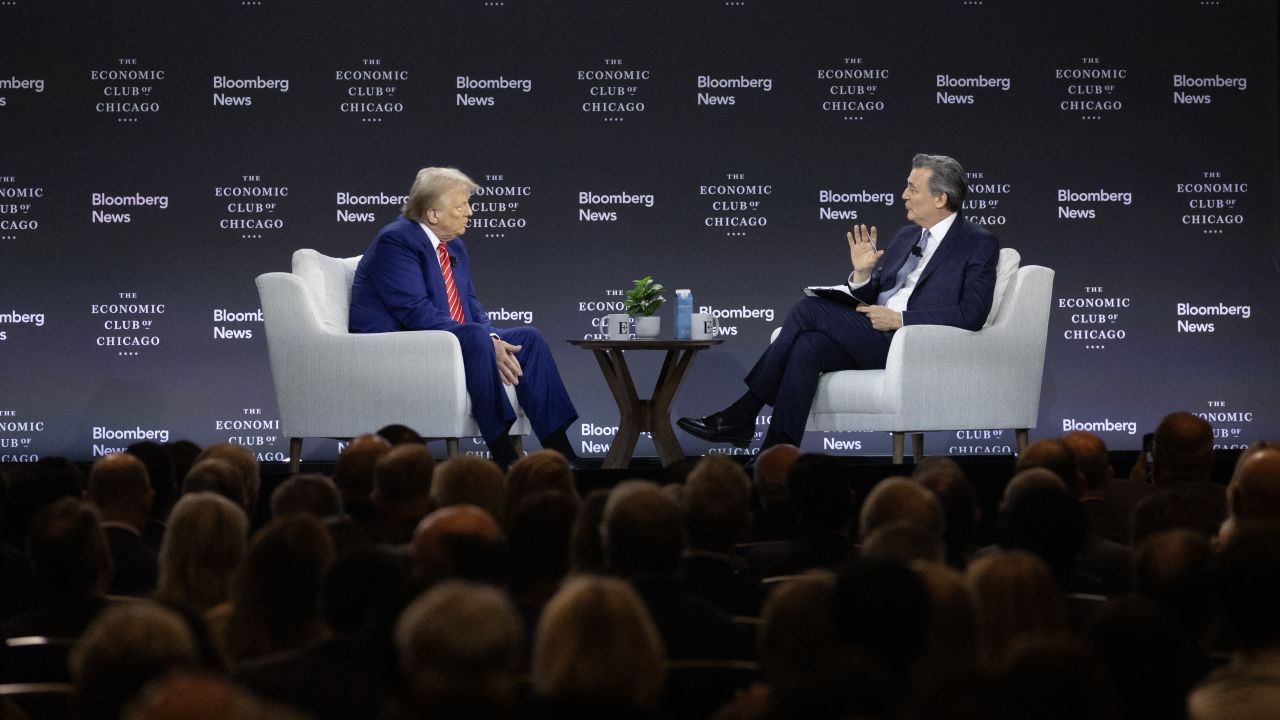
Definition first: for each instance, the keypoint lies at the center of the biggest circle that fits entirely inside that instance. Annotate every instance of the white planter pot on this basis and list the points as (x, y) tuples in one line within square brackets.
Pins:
[(648, 327)]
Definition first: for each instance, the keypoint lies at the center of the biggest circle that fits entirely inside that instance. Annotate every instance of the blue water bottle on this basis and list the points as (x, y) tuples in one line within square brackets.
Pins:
[(684, 314)]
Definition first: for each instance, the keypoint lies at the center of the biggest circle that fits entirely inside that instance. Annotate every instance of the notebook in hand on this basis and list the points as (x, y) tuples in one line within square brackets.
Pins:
[(835, 293)]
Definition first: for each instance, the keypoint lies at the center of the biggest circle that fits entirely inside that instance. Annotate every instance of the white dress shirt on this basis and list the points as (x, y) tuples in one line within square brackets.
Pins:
[(899, 299)]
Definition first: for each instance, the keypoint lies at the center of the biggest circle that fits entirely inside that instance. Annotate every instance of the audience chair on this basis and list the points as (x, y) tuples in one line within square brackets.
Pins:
[(37, 659), (335, 384), (41, 701)]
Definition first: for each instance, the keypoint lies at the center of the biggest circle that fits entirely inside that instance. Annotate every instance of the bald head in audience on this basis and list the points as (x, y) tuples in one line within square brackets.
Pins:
[(1091, 460), (120, 487), (353, 473), (443, 542), (1183, 449), (1254, 492), (1055, 456), (771, 472)]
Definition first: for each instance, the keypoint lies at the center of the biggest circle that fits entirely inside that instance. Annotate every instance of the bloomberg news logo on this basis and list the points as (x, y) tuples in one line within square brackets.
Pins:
[(1128, 427)]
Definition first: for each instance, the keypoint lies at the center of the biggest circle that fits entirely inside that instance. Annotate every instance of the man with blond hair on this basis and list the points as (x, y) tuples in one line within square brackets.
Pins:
[(416, 275)]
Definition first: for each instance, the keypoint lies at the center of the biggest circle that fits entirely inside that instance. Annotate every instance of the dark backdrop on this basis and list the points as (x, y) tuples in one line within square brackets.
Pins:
[(1151, 195)]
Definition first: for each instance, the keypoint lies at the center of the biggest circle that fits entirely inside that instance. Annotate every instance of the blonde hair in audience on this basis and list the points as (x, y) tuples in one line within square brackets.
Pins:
[(203, 543), (596, 641)]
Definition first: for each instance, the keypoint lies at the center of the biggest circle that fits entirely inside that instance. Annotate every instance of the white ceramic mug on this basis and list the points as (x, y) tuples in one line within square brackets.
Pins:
[(617, 326), (704, 326)]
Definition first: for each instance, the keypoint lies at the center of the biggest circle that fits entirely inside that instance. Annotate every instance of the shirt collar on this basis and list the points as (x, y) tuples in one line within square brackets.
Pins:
[(435, 241), (939, 230)]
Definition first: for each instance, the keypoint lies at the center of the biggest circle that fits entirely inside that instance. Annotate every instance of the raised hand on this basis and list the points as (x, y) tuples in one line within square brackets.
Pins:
[(863, 252)]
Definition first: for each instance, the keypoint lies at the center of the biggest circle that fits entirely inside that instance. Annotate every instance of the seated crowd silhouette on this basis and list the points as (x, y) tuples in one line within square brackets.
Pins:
[(164, 585)]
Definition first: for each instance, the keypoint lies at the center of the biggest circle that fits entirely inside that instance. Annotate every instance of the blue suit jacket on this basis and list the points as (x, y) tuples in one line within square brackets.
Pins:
[(957, 284), (398, 284)]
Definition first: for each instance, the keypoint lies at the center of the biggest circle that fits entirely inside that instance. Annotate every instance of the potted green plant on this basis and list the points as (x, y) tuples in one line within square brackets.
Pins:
[(641, 302)]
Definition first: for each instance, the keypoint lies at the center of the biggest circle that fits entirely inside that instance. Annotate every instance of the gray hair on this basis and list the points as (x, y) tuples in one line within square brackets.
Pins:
[(948, 178), (432, 184)]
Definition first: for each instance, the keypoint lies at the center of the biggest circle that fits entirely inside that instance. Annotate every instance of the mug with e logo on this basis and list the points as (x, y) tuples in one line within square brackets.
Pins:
[(705, 326), (617, 326)]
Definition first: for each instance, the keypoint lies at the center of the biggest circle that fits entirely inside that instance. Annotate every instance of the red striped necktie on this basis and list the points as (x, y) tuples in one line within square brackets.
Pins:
[(446, 269)]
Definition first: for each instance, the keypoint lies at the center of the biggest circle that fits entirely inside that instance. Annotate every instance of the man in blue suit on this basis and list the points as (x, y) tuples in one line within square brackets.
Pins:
[(941, 270), (416, 275)]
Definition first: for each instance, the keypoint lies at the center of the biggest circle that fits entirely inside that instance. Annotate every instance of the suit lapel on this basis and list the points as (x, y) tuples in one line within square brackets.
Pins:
[(431, 266), (949, 242)]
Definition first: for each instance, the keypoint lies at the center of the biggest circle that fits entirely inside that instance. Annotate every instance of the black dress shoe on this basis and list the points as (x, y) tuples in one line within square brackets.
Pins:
[(714, 428)]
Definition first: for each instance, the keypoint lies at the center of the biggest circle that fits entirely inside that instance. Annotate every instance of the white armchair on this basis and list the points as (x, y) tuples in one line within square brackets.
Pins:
[(335, 384), (944, 378)]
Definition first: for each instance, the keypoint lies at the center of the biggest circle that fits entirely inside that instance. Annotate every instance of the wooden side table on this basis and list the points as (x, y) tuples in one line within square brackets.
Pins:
[(636, 415)]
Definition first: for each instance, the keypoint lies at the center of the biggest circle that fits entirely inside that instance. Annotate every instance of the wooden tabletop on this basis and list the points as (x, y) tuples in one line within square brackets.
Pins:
[(655, 344)]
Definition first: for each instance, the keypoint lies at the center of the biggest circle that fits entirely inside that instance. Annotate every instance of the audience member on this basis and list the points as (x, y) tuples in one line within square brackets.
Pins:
[(353, 474), (184, 695), (717, 513), (586, 555), (72, 564), (1157, 511), (643, 537), (1182, 463), (33, 487), (183, 453), (597, 653), (275, 594), (217, 476), (242, 459), (402, 491), (309, 494), (775, 517), (536, 472), (946, 479), (1148, 661), (204, 542), (459, 541), (470, 480), (1173, 570), (459, 646), (1044, 519), (1052, 676), (1254, 492), (397, 434), (900, 501), (1056, 457), (126, 646), (905, 544), (540, 530), (880, 619), (164, 483), (121, 490), (796, 646), (1247, 581), (1015, 594), (951, 637), (824, 505), (1107, 519), (335, 678)]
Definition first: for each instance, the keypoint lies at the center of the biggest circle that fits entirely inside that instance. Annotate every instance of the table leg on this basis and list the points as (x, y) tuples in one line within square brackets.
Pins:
[(673, 371), (613, 365)]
